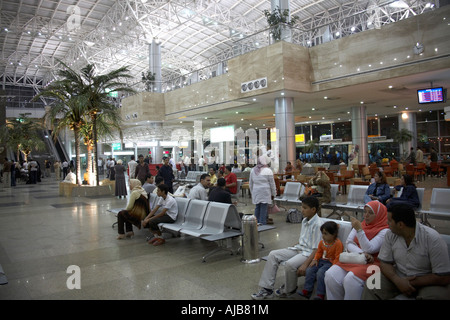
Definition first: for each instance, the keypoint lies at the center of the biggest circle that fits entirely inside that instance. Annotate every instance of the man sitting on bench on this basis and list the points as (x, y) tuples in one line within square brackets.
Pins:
[(168, 214)]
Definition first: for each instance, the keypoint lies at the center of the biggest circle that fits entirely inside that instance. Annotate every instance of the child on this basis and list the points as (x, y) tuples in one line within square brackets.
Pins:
[(330, 247), (297, 258)]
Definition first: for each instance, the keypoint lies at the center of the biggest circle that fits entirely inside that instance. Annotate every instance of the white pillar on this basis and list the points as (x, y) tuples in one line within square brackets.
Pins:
[(285, 125), (155, 63), (407, 120), (359, 133)]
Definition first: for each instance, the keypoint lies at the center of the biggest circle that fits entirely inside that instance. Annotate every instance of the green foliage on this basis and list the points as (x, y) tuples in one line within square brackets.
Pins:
[(82, 102), (148, 79), (277, 19)]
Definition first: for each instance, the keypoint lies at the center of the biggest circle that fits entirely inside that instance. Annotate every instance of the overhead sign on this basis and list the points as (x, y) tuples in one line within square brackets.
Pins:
[(117, 146), (300, 138)]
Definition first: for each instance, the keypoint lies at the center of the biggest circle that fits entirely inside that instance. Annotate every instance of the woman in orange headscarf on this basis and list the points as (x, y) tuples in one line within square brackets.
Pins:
[(345, 281)]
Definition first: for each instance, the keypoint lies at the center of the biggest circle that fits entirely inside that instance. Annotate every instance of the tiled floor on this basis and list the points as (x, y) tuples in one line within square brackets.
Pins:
[(42, 234)]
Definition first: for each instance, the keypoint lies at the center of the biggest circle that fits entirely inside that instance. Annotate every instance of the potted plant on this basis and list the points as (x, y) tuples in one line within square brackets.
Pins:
[(148, 79), (277, 20), (402, 137)]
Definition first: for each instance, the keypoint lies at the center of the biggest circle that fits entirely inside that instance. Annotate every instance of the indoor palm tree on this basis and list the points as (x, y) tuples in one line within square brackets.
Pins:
[(67, 111), (96, 89), (20, 135), (107, 124), (401, 137)]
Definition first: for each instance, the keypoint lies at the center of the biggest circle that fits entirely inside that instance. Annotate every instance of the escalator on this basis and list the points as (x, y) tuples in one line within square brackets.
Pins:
[(59, 151)]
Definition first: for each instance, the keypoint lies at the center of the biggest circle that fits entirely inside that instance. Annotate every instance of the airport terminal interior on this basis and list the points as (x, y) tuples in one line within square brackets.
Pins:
[(347, 87)]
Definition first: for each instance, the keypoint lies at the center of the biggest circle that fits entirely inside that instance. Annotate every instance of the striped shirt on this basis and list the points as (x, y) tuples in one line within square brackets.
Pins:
[(310, 235)]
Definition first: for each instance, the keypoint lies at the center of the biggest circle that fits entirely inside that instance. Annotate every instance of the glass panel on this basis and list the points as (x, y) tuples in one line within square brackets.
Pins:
[(426, 116), (306, 130), (342, 130), (320, 130), (444, 127), (387, 125), (372, 126), (427, 129)]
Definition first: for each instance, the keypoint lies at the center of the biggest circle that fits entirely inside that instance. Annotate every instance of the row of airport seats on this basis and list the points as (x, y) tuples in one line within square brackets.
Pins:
[(439, 208), (355, 198), (208, 220)]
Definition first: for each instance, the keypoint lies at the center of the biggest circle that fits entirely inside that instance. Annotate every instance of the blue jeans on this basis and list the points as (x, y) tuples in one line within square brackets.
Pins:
[(317, 272), (261, 212)]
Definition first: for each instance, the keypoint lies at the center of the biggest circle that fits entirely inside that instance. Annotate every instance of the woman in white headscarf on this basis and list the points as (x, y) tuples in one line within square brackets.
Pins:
[(262, 187), (136, 210)]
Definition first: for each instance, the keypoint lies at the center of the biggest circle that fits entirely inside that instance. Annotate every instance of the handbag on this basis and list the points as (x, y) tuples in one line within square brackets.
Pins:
[(274, 209), (294, 216), (352, 257)]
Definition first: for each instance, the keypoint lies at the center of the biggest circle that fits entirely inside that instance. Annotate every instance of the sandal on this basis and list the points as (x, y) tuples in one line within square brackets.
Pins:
[(130, 234), (159, 241), (121, 236)]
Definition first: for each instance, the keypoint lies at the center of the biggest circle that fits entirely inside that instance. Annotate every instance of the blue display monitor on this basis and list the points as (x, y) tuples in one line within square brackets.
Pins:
[(431, 95)]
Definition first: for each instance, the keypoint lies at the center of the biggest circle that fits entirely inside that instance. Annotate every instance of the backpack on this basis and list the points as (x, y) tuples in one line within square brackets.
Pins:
[(294, 216)]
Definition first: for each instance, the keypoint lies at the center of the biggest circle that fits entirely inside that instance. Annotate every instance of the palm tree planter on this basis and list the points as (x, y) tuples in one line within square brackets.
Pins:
[(278, 21)]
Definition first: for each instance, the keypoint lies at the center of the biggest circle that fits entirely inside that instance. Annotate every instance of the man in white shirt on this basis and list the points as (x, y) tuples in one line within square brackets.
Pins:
[(419, 155), (108, 165), (132, 164), (168, 214), (297, 257), (201, 162), (65, 166), (199, 191), (173, 164), (414, 260), (149, 185), (187, 163), (33, 167)]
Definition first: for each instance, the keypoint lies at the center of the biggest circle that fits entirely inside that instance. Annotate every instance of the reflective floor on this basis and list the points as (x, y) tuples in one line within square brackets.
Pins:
[(43, 234)]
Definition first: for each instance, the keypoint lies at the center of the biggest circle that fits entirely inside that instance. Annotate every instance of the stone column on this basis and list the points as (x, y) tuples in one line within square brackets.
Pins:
[(407, 120), (359, 133), (157, 152), (285, 125), (155, 63)]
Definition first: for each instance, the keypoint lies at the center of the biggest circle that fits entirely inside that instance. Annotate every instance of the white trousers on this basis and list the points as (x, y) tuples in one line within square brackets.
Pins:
[(342, 285), (293, 258)]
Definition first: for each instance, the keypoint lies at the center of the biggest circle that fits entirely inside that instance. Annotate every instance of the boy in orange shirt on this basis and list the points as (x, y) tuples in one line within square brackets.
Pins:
[(328, 251)]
